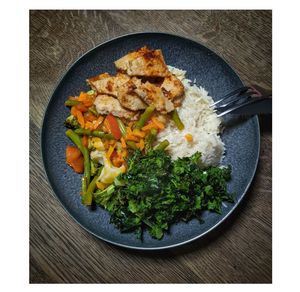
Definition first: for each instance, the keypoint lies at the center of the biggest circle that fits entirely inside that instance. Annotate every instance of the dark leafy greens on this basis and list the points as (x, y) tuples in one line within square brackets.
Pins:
[(156, 192)]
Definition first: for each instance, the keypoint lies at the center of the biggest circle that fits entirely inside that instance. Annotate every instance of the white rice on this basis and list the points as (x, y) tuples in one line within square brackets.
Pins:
[(199, 120)]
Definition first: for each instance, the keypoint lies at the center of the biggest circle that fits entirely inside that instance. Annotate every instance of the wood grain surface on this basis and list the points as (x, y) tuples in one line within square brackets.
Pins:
[(61, 251)]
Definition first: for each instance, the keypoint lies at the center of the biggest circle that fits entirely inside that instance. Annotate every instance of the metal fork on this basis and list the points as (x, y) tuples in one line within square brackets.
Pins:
[(244, 100)]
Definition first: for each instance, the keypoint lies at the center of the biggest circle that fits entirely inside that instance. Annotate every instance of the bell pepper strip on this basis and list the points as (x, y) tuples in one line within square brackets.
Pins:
[(145, 116), (113, 126)]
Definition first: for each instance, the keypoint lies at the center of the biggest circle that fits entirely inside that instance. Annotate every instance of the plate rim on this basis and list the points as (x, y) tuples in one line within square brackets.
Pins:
[(42, 131)]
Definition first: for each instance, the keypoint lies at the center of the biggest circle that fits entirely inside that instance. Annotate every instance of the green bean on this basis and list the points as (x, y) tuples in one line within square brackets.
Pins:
[(71, 102), (76, 139), (92, 110), (83, 185), (87, 198), (132, 145), (149, 139), (177, 121), (95, 133), (145, 116), (122, 127), (82, 131), (103, 135), (162, 145)]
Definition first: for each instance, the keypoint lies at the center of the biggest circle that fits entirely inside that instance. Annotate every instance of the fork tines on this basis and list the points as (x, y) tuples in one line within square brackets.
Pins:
[(233, 96)]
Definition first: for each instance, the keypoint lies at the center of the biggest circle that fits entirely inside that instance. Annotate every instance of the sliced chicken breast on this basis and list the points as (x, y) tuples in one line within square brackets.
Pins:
[(143, 62), (119, 86), (153, 94), (106, 104), (107, 84), (172, 87)]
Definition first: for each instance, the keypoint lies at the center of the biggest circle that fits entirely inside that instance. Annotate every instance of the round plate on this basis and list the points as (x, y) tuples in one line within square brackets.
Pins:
[(242, 139)]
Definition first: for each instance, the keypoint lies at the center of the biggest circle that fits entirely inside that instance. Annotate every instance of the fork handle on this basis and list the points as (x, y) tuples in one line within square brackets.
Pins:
[(260, 105)]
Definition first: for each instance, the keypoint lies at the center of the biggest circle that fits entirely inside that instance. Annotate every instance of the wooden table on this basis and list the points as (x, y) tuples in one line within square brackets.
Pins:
[(60, 250)]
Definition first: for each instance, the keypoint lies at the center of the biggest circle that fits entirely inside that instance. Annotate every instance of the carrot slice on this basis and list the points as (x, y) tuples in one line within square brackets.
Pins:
[(97, 122), (85, 141), (74, 158), (78, 165), (89, 117), (141, 144), (89, 125), (74, 111), (138, 133), (124, 153), (189, 137), (130, 137), (150, 126), (86, 99), (110, 151), (81, 107), (80, 118), (123, 143), (116, 159), (157, 123)]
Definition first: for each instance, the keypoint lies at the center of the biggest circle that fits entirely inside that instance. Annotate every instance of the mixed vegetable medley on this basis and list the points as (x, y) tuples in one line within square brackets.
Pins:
[(136, 182)]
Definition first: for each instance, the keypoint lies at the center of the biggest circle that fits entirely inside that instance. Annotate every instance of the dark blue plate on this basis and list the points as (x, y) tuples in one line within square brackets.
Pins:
[(242, 139)]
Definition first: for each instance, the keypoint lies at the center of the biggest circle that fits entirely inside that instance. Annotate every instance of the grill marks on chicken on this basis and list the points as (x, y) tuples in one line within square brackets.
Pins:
[(143, 62), (119, 86), (153, 94), (143, 79), (106, 104)]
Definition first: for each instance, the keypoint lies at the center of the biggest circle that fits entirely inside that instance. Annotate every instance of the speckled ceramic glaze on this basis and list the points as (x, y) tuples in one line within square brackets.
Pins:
[(241, 137)]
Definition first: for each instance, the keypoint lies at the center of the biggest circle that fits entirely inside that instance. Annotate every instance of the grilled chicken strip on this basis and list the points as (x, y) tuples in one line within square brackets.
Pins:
[(106, 104), (143, 62), (153, 94), (119, 86), (173, 89)]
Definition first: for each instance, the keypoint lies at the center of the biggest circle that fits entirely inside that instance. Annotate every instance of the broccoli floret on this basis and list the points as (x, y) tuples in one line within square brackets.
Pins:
[(71, 122), (94, 167)]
